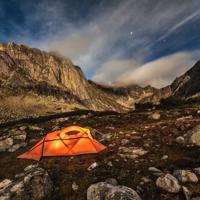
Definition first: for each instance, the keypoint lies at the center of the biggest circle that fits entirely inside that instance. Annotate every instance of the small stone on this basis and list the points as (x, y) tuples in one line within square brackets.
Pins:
[(4, 184), (33, 141), (17, 188), (185, 176), (165, 157), (17, 146), (55, 128), (75, 187), (30, 167), (110, 164), (155, 116), (186, 193), (22, 128), (92, 166), (155, 171), (197, 170), (146, 179), (34, 128), (20, 136), (194, 135), (180, 140), (106, 137), (19, 175), (168, 183), (124, 142), (111, 181), (111, 127), (6, 144)]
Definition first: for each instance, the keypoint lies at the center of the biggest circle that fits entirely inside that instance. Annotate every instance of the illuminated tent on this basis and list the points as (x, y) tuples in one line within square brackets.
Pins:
[(72, 140)]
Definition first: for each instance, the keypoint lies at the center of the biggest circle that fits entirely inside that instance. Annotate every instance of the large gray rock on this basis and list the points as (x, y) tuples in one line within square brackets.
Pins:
[(168, 183), (185, 176), (34, 184), (106, 191)]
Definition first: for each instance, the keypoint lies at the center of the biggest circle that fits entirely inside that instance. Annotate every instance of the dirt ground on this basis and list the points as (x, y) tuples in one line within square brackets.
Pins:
[(155, 136)]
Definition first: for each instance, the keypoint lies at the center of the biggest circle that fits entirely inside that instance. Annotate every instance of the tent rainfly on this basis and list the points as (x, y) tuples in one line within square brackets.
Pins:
[(73, 140)]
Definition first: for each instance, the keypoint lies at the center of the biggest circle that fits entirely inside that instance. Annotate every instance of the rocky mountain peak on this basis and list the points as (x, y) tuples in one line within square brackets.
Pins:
[(30, 75), (187, 84)]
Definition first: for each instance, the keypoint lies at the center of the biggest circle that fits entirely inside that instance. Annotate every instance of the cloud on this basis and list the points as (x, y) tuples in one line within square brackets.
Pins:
[(180, 24), (96, 36), (107, 35), (157, 73), (112, 70)]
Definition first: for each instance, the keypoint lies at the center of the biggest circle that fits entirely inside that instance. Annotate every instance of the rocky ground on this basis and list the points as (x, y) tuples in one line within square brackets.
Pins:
[(152, 154)]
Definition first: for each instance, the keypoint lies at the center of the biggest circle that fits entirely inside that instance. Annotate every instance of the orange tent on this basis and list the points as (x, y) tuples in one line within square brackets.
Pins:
[(72, 140)]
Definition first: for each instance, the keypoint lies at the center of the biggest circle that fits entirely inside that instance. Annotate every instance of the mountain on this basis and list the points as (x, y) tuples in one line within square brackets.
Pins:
[(187, 85), (130, 94), (34, 83)]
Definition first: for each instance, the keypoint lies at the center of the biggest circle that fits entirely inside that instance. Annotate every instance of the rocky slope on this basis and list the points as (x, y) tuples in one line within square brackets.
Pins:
[(185, 87), (37, 83), (188, 84), (130, 94), (158, 149)]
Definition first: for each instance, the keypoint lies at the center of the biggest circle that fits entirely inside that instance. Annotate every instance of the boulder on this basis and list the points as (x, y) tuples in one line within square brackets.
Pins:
[(168, 183), (106, 191), (34, 184), (185, 176)]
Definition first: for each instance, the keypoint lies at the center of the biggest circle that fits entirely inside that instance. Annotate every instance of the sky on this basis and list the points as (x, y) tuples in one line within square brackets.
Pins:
[(145, 42)]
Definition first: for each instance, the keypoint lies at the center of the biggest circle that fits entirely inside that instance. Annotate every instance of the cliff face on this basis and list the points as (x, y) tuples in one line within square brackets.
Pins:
[(40, 82), (187, 85), (35, 83)]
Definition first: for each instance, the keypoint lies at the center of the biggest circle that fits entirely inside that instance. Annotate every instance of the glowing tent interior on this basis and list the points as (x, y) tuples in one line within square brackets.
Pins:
[(73, 140)]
